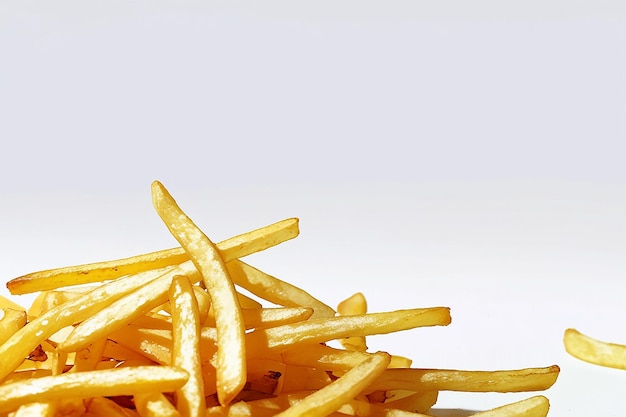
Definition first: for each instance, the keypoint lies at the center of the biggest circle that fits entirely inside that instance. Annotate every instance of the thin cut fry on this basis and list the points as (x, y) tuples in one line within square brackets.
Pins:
[(231, 352), (251, 242), (185, 352), (11, 321), (110, 382), (322, 330), (154, 404), (594, 351), (537, 406), (529, 379)]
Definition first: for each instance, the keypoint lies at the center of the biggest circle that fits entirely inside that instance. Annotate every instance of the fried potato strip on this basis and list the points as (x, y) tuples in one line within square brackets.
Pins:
[(594, 351), (110, 382), (231, 352)]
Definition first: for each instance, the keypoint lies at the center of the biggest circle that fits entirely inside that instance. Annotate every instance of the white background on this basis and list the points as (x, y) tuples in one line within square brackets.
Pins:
[(467, 154)]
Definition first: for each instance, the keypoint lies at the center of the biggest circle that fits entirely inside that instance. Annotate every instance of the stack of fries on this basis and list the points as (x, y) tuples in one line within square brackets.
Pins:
[(171, 333)]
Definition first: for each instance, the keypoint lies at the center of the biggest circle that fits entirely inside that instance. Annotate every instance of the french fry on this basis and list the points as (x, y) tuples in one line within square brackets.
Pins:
[(11, 321), (275, 290), (322, 330), (517, 380), (36, 410), (232, 248), (186, 339), (110, 382), (231, 351), (537, 406), (353, 305), (154, 404), (594, 351)]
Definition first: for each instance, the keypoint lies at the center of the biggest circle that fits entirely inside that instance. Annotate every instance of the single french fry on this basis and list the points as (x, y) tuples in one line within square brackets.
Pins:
[(87, 359), (518, 380), (231, 352), (324, 357), (11, 321), (260, 318), (36, 409), (537, 406), (353, 305), (235, 247), (419, 402), (16, 348), (322, 330), (110, 382), (185, 353), (275, 290), (597, 352), (334, 395), (154, 404)]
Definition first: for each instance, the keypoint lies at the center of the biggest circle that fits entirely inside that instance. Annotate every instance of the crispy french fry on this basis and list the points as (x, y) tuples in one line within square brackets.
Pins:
[(235, 247), (154, 404), (536, 406), (36, 410), (334, 395), (594, 351), (185, 352), (322, 330), (413, 379), (11, 321), (353, 305), (275, 290), (110, 382), (231, 352)]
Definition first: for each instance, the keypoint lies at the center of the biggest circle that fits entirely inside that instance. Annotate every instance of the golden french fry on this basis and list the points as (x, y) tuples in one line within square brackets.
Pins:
[(231, 351), (235, 247), (334, 395), (537, 406), (353, 305), (260, 318), (325, 329), (517, 380), (36, 410), (275, 290), (11, 321), (594, 351), (109, 382), (154, 404), (185, 352)]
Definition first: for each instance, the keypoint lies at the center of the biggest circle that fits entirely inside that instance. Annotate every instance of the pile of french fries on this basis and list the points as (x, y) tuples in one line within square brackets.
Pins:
[(173, 333)]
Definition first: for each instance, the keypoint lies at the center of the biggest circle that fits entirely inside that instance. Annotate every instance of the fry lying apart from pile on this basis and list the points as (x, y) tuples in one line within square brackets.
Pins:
[(597, 352), (173, 333)]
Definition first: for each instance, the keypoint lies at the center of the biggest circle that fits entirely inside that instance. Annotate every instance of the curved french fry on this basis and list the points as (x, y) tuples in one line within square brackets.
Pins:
[(231, 351), (594, 351)]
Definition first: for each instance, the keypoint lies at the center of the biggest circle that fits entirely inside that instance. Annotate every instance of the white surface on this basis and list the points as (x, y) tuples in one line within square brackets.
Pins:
[(467, 156)]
